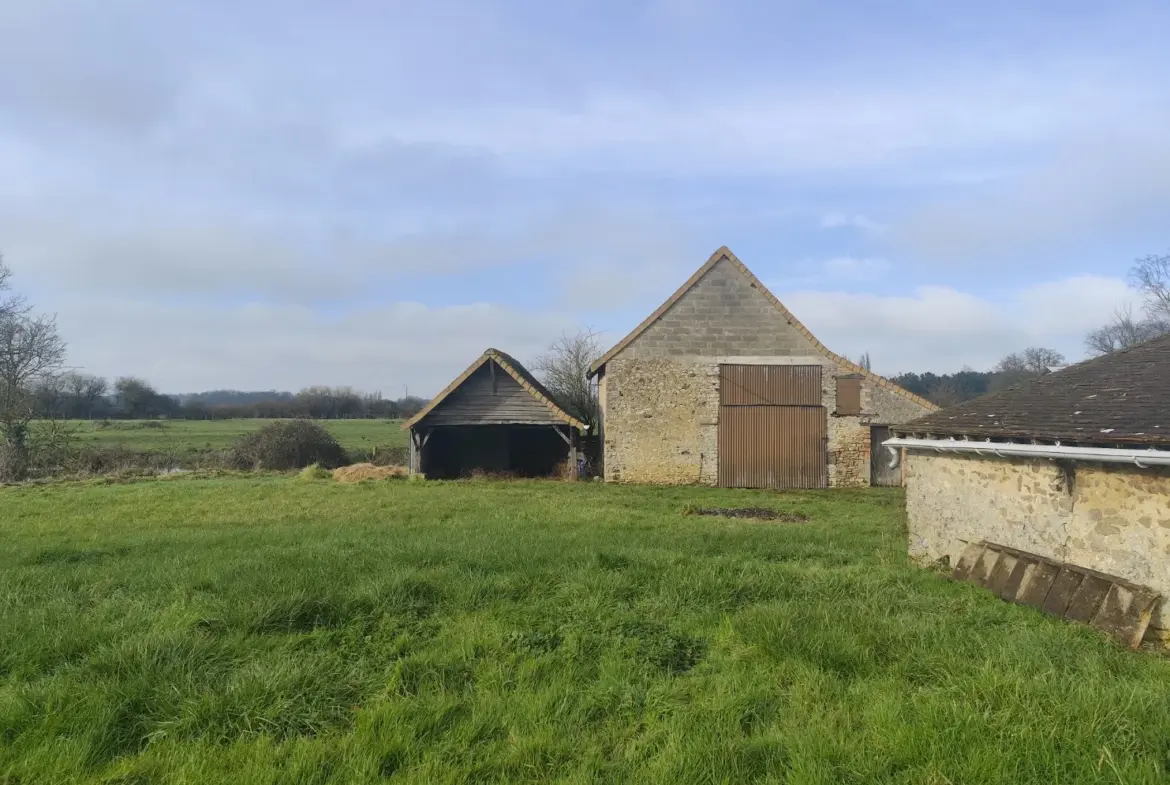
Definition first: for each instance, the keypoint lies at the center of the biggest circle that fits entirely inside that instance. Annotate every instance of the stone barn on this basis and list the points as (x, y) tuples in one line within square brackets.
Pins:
[(722, 385), (1072, 467), (495, 418)]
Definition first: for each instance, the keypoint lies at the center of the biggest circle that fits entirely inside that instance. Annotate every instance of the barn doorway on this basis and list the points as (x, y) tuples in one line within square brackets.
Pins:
[(880, 472), (772, 429)]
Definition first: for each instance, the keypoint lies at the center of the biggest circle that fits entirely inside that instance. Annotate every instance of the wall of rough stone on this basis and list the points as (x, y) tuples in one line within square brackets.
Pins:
[(661, 420), (1114, 519), (660, 395), (849, 437)]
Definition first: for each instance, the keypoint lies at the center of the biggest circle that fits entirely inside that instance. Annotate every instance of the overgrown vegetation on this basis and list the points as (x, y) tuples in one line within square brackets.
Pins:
[(31, 356), (82, 448), (287, 444), (263, 629)]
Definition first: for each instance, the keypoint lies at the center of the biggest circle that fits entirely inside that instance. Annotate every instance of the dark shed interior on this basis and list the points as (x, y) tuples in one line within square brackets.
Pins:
[(517, 450), (495, 418)]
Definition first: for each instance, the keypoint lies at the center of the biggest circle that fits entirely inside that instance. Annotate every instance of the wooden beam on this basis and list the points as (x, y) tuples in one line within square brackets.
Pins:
[(563, 435), (575, 471), (426, 438), (413, 452)]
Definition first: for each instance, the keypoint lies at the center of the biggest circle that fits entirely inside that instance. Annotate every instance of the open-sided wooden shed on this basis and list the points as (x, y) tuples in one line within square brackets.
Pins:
[(494, 417)]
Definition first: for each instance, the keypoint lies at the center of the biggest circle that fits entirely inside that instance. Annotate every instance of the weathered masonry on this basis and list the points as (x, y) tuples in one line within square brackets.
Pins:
[(495, 417), (1073, 466), (722, 385)]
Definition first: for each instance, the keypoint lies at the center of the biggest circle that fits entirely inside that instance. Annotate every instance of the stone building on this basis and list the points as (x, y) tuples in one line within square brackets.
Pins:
[(1073, 467), (722, 385)]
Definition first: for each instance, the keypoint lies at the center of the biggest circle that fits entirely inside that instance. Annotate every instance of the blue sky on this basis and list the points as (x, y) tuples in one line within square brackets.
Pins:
[(262, 194)]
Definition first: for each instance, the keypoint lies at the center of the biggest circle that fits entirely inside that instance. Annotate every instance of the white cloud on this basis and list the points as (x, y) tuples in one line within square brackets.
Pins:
[(583, 246), (852, 268), (923, 122), (835, 220), (187, 348), (1082, 194), (942, 329)]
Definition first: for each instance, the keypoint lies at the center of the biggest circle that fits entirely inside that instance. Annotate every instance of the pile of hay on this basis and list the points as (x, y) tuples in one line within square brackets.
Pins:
[(368, 471)]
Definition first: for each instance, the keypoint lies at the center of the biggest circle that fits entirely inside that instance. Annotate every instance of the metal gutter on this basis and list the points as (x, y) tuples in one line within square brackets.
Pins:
[(1138, 458)]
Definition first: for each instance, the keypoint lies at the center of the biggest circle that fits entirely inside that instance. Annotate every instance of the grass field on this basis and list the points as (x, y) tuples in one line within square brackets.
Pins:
[(267, 629), (185, 436)]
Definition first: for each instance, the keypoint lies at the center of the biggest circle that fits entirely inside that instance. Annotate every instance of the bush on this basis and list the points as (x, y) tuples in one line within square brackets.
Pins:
[(288, 444), (314, 472), (388, 455)]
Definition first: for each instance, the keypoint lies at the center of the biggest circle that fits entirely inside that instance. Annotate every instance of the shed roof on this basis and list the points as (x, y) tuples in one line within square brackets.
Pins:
[(725, 253), (514, 369), (1118, 398)]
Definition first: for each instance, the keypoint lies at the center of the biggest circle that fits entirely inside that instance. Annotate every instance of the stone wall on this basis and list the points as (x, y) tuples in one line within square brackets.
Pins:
[(849, 437), (1112, 519), (660, 395), (661, 420)]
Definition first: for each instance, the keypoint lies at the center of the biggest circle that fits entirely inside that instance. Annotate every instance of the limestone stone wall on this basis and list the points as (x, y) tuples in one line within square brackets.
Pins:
[(661, 418), (660, 394), (1114, 519), (849, 436)]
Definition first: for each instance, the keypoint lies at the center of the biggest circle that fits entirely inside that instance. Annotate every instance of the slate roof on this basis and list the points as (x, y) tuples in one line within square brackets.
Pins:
[(725, 253), (1116, 399), (514, 369)]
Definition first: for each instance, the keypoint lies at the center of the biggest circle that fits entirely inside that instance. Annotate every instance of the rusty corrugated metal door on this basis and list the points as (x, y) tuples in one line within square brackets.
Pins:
[(772, 427), (770, 385)]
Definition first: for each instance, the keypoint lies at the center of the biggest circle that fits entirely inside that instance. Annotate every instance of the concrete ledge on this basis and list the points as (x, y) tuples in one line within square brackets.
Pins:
[(1105, 602)]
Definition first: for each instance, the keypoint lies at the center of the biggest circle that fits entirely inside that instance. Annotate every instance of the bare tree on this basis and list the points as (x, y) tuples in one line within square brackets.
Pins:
[(1033, 360), (85, 391), (563, 370), (1151, 277), (864, 362), (31, 358), (945, 394), (1125, 331)]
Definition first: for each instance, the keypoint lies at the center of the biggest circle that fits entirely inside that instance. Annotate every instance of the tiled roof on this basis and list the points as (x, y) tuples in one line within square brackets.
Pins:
[(1119, 398), (725, 253), (514, 369)]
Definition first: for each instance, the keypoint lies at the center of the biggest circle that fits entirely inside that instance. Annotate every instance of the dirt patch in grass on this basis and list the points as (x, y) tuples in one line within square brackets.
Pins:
[(754, 513)]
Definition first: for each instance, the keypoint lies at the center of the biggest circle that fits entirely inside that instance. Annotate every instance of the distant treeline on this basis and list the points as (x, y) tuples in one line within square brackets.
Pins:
[(949, 389), (84, 397)]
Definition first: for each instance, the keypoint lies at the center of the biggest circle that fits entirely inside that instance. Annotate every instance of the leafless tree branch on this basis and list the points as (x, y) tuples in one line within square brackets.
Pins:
[(563, 369)]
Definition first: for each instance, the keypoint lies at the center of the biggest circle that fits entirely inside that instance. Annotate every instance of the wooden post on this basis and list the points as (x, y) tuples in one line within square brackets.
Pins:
[(575, 472), (413, 452)]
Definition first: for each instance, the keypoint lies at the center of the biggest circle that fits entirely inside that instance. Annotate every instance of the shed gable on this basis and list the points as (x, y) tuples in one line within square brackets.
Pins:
[(722, 313), (490, 396)]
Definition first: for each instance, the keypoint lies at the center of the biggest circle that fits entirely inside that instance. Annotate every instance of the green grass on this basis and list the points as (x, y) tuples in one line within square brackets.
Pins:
[(271, 629), (356, 436)]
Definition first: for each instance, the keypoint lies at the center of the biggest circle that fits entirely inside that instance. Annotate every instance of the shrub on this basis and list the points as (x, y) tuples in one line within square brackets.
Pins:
[(287, 444), (314, 472), (388, 455)]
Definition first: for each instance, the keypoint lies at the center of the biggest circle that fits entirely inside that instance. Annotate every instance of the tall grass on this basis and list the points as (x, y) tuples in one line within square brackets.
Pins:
[(268, 630)]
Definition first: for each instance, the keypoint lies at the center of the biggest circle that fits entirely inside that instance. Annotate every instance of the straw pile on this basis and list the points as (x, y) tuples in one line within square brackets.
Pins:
[(368, 471)]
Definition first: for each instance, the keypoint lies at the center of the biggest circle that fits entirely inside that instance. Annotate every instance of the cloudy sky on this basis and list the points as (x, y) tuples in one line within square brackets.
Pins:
[(260, 194)]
